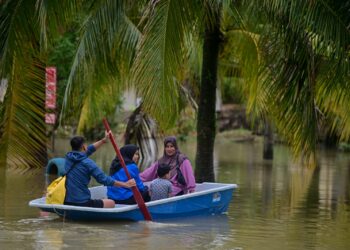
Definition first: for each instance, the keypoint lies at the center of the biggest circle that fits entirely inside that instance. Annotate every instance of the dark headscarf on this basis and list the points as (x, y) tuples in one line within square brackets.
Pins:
[(127, 152), (173, 160)]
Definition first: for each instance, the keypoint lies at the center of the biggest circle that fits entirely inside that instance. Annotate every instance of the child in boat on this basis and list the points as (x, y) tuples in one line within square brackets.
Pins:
[(160, 188)]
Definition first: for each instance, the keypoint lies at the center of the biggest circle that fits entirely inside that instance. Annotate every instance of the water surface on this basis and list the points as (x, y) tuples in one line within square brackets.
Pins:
[(278, 205)]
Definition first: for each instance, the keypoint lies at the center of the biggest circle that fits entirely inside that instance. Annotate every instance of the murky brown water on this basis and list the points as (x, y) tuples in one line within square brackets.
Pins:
[(278, 205)]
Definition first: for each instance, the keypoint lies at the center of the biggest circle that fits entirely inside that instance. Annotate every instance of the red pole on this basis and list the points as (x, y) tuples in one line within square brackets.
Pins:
[(138, 197)]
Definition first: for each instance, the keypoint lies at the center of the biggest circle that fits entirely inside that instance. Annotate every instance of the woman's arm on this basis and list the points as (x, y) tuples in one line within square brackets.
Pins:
[(150, 173)]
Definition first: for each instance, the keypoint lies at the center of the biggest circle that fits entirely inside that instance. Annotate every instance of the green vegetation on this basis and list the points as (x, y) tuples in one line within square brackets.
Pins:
[(231, 88), (61, 56), (288, 61)]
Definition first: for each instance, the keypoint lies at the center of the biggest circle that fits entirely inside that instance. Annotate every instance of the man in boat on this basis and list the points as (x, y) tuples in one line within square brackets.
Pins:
[(81, 168)]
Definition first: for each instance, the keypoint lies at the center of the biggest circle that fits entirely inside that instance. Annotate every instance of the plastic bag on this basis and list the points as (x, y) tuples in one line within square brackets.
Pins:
[(56, 191)]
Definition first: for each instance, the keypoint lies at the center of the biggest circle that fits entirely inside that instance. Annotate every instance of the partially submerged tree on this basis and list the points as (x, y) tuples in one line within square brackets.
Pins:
[(297, 73), (304, 73), (120, 47), (24, 34)]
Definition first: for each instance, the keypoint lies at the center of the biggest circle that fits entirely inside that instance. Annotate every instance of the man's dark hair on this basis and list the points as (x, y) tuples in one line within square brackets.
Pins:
[(77, 143), (162, 170)]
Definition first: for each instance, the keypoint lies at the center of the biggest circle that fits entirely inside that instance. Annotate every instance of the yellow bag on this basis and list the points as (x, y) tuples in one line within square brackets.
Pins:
[(56, 191)]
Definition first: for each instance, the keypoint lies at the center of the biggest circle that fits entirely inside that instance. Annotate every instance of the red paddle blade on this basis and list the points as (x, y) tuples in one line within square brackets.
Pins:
[(138, 197)]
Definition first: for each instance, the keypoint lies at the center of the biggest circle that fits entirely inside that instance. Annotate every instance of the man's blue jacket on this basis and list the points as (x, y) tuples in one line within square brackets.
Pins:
[(78, 178)]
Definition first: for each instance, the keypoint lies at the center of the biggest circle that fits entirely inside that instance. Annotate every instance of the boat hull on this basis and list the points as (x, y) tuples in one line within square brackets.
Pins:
[(209, 199)]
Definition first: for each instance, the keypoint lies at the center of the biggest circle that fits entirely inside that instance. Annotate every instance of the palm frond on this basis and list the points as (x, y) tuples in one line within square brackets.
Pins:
[(333, 96), (161, 55), (304, 63), (53, 16), (290, 81), (99, 101), (106, 48), (24, 131), (241, 57)]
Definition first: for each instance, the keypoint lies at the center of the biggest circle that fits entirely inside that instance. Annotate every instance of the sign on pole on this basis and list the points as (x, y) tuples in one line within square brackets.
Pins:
[(50, 95), (50, 100), (50, 118)]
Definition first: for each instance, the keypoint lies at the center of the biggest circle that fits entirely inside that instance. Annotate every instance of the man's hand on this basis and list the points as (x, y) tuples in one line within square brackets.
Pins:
[(106, 136)]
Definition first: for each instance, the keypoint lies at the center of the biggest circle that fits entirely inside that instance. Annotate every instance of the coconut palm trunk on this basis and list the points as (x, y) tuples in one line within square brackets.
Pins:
[(206, 127), (268, 141), (140, 130)]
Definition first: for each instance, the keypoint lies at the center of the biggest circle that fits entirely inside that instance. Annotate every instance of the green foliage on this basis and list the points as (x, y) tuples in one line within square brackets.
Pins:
[(185, 125), (101, 64), (61, 55), (294, 63), (303, 72), (231, 90), (161, 56), (23, 134), (344, 146)]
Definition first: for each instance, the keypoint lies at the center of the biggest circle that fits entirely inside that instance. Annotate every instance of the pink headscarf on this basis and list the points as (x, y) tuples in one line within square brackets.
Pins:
[(173, 160)]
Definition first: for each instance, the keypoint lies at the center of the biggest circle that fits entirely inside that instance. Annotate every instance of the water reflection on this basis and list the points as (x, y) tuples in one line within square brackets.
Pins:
[(50, 233), (267, 187)]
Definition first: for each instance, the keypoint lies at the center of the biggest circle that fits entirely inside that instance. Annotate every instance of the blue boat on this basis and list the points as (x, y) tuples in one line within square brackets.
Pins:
[(208, 199)]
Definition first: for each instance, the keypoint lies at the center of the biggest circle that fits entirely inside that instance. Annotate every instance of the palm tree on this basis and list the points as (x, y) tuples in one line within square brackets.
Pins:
[(288, 80), (206, 118), (304, 72), (27, 28), (298, 76), (164, 50), (23, 29), (167, 27)]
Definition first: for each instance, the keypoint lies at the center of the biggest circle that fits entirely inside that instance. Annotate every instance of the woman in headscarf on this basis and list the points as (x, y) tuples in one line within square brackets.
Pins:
[(121, 195), (181, 173)]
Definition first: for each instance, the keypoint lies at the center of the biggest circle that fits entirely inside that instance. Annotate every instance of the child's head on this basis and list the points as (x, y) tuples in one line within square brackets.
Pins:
[(163, 170)]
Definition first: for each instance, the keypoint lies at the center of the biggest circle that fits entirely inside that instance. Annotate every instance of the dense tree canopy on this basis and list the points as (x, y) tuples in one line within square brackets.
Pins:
[(293, 58)]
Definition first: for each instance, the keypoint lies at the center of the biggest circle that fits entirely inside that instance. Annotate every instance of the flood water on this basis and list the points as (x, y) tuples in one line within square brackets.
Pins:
[(278, 205)]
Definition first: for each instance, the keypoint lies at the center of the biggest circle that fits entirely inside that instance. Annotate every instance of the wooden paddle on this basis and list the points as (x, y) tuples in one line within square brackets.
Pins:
[(136, 192)]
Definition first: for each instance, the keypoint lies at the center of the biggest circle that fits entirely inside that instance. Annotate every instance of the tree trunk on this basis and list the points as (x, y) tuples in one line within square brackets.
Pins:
[(206, 111), (141, 130), (130, 132), (268, 141)]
